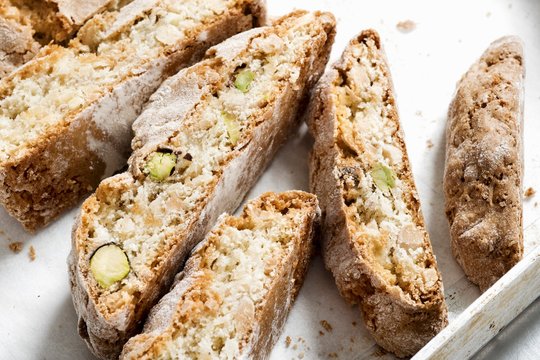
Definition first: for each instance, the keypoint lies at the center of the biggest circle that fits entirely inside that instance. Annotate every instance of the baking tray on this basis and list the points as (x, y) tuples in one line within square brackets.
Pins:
[(36, 313)]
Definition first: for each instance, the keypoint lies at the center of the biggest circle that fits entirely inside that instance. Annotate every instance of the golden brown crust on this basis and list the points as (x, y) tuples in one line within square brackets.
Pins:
[(270, 316), (56, 170), (398, 323), (275, 123), (484, 164)]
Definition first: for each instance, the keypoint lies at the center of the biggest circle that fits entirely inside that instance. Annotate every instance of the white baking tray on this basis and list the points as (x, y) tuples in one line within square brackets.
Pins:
[(36, 314)]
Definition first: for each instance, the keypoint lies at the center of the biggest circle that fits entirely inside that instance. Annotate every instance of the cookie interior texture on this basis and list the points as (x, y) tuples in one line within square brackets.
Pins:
[(146, 216), (44, 95), (373, 172), (229, 278)]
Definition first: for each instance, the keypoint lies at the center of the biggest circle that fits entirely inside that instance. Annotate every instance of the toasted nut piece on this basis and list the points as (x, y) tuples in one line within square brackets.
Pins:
[(109, 264)]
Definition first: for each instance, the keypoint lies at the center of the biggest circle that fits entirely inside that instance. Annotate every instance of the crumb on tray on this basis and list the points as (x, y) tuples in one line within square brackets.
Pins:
[(287, 341), (326, 325), (429, 144), (406, 26), (16, 246), (529, 192), (32, 253)]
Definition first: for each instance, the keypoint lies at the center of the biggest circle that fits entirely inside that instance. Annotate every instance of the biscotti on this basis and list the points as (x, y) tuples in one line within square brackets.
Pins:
[(17, 44), (66, 116), (26, 25), (374, 238), (58, 20), (484, 164), (202, 141), (236, 290)]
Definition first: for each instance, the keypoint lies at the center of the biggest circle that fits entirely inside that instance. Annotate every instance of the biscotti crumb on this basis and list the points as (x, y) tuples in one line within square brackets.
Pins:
[(530, 192), (16, 246), (326, 325), (287, 341), (429, 144), (321, 333), (333, 355), (406, 26), (32, 253)]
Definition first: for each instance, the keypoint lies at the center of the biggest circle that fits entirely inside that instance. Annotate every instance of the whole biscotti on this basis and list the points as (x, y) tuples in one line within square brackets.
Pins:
[(484, 164), (233, 296), (374, 240), (66, 116), (26, 25), (200, 144)]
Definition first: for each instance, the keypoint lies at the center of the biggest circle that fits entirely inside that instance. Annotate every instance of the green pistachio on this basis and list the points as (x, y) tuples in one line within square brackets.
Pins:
[(160, 165), (109, 264), (384, 177), (243, 80), (232, 126)]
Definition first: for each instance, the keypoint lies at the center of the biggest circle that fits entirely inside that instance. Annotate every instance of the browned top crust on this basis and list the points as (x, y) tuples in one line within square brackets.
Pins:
[(484, 164), (401, 318)]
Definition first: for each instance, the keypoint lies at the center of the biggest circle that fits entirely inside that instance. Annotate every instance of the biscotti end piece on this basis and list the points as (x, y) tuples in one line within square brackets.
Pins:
[(233, 297), (484, 164), (17, 45), (201, 143), (374, 238), (66, 116)]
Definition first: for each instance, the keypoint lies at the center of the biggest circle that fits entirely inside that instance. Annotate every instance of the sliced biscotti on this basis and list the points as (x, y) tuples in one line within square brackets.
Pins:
[(26, 25), (66, 116), (199, 146), (58, 20), (17, 44), (236, 290), (374, 239), (484, 164)]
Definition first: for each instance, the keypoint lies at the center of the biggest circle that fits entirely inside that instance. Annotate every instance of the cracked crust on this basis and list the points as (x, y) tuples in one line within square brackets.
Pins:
[(105, 333), (264, 327), (484, 164), (400, 321), (68, 160)]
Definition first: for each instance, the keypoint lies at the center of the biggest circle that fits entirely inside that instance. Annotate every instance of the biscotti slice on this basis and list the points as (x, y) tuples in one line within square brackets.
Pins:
[(58, 20), (236, 290), (66, 116), (17, 45), (484, 164), (374, 238), (201, 143)]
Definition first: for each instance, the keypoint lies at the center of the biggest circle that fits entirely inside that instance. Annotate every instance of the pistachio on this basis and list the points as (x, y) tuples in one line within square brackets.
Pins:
[(384, 177), (160, 165), (233, 127), (243, 80), (109, 264)]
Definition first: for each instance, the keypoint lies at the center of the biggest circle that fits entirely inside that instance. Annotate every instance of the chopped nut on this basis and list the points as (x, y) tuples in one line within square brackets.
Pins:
[(233, 127), (160, 165), (243, 80), (384, 177), (109, 264)]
